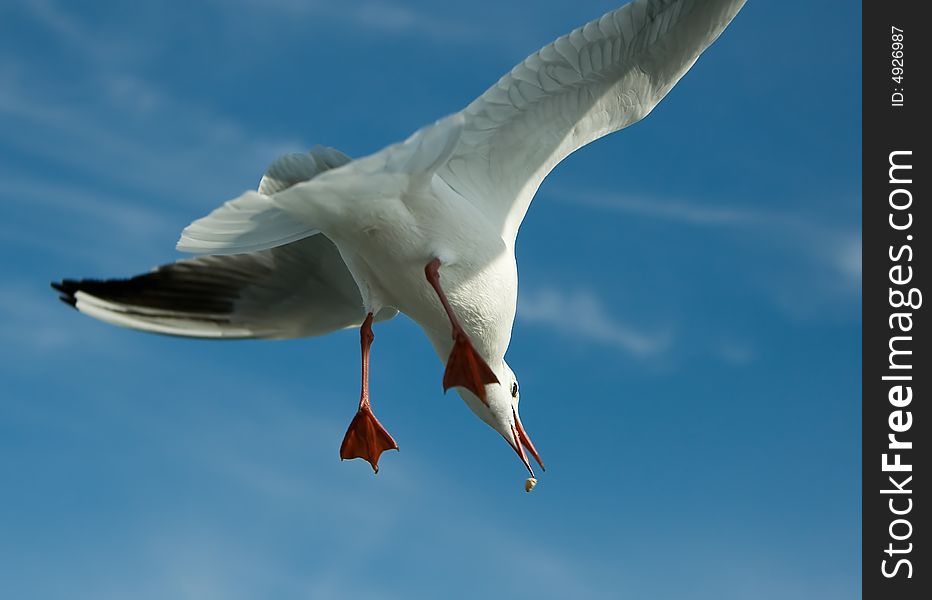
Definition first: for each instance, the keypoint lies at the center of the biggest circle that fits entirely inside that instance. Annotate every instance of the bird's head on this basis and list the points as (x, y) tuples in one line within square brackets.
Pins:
[(500, 411)]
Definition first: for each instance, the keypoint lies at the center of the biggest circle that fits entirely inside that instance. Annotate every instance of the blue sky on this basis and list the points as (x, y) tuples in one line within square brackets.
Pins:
[(688, 334)]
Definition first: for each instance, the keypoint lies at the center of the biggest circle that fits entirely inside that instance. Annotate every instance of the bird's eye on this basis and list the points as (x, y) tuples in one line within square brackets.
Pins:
[(514, 390)]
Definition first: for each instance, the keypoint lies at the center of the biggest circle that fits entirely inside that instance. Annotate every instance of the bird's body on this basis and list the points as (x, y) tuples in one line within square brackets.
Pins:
[(426, 227), (388, 231)]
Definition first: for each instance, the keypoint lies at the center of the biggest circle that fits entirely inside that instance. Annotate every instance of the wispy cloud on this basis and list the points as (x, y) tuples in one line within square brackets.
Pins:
[(845, 255), (661, 209), (735, 353), (75, 32), (61, 24), (391, 16), (581, 314), (74, 220), (802, 268), (96, 117), (329, 532), (194, 153), (27, 323), (33, 322), (121, 216), (838, 249), (99, 170), (373, 16)]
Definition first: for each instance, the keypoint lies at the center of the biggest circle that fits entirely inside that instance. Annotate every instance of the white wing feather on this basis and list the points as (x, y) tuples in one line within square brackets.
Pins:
[(251, 222), (247, 224), (595, 80)]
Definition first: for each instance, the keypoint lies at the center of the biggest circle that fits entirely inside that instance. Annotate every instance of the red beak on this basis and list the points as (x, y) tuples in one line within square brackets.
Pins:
[(521, 441)]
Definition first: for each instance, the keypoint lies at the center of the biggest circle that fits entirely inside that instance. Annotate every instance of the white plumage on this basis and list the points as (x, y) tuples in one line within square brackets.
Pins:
[(327, 240)]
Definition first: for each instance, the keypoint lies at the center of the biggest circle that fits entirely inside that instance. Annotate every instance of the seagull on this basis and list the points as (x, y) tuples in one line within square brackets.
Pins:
[(426, 227)]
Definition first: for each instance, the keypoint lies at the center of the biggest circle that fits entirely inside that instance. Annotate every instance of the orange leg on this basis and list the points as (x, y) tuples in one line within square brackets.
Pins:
[(366, 438), (465, 368)]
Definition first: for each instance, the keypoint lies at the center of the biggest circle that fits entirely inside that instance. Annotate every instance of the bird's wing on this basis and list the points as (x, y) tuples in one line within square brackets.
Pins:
[(295, 290), (267, 275), (250, 222), (596, 80)]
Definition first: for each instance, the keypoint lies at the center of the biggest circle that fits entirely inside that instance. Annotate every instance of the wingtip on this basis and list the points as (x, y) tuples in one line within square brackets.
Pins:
[(66, 289), (188, 246)]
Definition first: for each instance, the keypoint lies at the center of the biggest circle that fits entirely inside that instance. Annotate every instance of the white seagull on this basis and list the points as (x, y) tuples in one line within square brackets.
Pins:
[(426, 227)]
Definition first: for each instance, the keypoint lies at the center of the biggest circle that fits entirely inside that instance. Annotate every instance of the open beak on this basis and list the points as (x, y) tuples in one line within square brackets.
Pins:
[(521, 440)]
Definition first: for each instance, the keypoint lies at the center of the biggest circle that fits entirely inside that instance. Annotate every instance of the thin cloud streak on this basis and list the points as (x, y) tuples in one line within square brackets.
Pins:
[(373, 16), (33, 322), (840, 250), (28, 324), (235, 453), (674, 211), (75, 33), (121, 217), (61, 24), (581, 314), (78, 221), (195, 161)]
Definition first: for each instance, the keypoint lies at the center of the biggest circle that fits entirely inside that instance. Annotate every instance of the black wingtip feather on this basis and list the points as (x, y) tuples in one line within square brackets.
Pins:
[(178, 287), (66, 290)]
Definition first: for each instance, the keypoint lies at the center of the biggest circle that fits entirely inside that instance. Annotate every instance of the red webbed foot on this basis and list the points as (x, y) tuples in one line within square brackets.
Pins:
[(465, 368), (366, 438)]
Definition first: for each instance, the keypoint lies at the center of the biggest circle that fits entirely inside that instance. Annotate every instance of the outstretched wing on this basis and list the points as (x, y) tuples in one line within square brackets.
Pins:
[(295, 290), (596, 80), (269, 276)]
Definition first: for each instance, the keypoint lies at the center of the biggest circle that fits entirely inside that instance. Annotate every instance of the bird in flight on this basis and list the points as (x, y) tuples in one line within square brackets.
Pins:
[(425, 227)]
